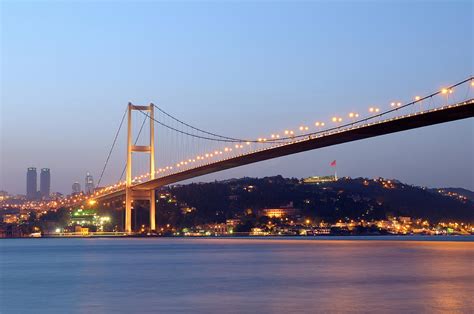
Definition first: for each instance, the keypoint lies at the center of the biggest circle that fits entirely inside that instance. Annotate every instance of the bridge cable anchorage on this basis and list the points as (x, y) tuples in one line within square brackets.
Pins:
[(111, 148), (135, 143)]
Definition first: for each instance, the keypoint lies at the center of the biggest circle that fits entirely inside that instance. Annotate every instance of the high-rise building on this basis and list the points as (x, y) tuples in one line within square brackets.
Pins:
[(76, 188), (45, 183), (89, 186), (31, 184)]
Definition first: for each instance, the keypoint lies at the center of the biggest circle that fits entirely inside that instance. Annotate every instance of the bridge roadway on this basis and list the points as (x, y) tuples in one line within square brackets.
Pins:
[(358, 132)]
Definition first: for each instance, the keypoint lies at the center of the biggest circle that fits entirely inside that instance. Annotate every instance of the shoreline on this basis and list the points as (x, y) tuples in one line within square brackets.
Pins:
[(427, 238)]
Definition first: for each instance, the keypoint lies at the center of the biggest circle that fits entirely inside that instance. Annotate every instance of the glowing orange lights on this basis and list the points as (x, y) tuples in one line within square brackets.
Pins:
[(353, 115)]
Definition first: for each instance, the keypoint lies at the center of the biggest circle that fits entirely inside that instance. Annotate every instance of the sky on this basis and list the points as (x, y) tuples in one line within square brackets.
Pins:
[(242, 69)]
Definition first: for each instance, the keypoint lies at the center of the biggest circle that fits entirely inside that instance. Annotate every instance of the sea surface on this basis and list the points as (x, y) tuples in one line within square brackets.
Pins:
[(237, 275)]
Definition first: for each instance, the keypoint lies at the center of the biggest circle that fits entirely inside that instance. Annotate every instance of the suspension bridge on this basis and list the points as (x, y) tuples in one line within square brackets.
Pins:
[(185, 151)]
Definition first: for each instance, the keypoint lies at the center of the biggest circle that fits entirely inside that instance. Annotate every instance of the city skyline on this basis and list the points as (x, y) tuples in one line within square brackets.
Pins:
[(258, 77)]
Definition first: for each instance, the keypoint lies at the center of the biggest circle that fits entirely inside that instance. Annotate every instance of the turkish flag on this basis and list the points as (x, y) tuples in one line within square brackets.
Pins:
[(333, 163)]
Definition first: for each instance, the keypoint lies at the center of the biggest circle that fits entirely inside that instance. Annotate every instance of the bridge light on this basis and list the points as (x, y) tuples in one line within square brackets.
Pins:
[(353, 115), (248, 143), (287, 132), (417, 98), (472, 83), (334, 119), (444, 91)]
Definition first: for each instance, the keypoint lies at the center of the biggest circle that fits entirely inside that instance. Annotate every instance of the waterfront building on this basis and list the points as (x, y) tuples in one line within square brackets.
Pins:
[(31, 184), (45, 183)]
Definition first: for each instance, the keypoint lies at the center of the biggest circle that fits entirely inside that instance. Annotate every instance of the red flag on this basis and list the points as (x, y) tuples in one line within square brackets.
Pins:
[(333, 163)]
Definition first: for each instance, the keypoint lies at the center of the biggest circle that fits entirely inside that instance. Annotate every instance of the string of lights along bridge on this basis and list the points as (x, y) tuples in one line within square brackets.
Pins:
[(185, 151)]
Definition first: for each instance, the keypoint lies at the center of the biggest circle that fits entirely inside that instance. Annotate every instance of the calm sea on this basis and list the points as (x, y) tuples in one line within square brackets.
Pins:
[(182, 275)]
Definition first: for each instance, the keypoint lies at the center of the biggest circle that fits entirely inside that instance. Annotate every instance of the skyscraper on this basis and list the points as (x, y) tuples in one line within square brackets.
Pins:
[(89, 186), (76, 188), (31, 184), (45, 183)]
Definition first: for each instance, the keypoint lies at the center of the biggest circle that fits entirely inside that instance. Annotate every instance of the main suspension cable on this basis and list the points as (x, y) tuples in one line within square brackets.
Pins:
[(195, 128)]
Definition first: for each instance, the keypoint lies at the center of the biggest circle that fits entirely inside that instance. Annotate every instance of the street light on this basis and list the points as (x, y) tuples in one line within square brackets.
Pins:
[(319, 125), (417, 99), (353, 115), (374, 109), (446, 91)]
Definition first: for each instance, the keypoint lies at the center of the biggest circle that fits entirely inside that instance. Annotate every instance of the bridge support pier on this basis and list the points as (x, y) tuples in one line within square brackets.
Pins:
[(131, 195), (152, 210), (128, 211)]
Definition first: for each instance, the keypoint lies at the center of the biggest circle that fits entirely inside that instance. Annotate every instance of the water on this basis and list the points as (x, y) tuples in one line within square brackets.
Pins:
[(161, 275)]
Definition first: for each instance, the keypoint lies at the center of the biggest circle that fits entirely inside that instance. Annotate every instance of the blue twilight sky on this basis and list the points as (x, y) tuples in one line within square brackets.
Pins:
[(237, 68)]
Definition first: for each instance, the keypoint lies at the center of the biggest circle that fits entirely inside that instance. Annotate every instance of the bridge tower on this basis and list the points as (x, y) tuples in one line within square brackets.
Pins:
[(130, 194)]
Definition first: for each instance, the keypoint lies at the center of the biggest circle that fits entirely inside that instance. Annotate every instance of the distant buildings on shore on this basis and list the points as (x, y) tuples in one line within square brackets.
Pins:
[(32, 192), (89, 184), (44, 192)]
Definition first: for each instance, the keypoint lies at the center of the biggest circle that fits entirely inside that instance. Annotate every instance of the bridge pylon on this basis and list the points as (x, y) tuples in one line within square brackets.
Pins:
[(130, 194)]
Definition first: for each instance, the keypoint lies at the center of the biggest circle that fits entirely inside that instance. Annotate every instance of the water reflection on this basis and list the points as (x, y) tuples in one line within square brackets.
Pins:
[(235, 275)]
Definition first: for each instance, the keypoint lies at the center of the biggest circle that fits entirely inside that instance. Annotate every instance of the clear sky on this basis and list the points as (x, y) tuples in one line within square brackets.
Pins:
[(237, 68)]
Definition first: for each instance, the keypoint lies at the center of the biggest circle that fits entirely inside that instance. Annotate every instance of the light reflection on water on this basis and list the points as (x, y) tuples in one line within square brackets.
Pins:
[(235, 275)]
